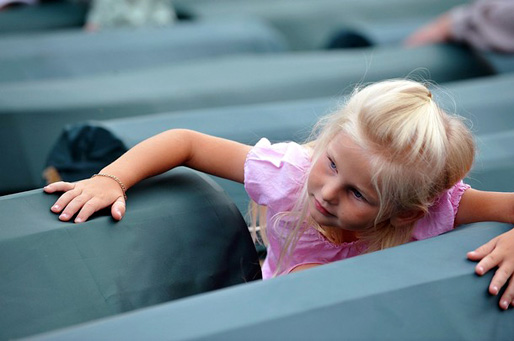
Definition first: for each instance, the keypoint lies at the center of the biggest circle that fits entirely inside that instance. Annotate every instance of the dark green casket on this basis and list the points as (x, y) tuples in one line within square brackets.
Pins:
[(312, 24), (181, 236), (51, 15), (73, 53), (425, 290)]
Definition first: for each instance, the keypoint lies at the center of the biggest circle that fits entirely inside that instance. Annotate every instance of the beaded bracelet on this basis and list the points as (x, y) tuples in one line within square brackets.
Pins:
[(115, 178)]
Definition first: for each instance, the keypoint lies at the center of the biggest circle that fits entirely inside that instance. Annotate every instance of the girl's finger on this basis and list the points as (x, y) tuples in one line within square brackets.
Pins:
[(64, 200), (118, 208), (501, 276), (87, 209), (507, 298), (487, 263), (483, 250), (60, 186), (73, 206)]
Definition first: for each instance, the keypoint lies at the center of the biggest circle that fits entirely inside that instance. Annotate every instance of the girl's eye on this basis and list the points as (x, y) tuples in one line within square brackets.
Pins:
[(357, 194), (332, 164)]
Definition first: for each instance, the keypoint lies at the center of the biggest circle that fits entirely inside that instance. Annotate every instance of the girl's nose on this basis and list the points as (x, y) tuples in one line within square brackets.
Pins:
[(330, 193)]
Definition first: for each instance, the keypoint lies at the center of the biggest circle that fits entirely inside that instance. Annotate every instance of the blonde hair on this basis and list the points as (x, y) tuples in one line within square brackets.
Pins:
[(416, 150)]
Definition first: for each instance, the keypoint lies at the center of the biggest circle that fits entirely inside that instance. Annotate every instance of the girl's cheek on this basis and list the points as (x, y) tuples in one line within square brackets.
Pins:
[(361, 212)]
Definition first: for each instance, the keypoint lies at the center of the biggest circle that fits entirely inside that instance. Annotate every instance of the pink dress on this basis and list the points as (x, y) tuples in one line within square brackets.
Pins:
[(274, 175)]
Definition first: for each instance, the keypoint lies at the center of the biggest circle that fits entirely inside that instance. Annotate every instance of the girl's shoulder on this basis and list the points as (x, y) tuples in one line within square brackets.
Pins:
[(441, 215), (275, 173), (282, 152)]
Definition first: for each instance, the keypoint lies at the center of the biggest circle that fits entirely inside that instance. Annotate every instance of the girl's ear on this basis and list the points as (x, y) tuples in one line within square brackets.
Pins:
[(405, 218)]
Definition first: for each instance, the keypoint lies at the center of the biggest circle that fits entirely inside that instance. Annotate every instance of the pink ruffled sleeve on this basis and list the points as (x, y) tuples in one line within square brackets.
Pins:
[(274, 174), (441, 215)]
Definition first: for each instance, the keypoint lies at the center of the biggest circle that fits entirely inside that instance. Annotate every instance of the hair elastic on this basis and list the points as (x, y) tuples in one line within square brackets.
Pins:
[(115, 178)]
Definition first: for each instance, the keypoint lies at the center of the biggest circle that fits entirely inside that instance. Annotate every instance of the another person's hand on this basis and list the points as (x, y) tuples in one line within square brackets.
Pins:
[(87, 197), (498, 252), (91, 27), (437, 31)]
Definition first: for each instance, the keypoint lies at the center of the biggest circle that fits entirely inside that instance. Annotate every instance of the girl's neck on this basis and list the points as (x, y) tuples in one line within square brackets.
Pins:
[(336, 235)]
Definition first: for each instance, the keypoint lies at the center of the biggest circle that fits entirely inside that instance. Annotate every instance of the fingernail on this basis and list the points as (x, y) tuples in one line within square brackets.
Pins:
[(505, 304), (55, 207), (480, 270), (64, 216), (78, 220), (495, 291)]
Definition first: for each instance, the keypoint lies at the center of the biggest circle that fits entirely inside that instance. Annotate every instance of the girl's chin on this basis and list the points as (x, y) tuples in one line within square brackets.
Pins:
[(318, 217)]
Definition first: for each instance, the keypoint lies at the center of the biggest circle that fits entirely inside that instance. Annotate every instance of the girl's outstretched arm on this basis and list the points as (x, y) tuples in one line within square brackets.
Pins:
[(478, 206), (153, 156)]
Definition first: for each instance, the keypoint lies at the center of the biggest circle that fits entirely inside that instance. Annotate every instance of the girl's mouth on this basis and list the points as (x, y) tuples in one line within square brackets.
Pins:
[(321, 209)]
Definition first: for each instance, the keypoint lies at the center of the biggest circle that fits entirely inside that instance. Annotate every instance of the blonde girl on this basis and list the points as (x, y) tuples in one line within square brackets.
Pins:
[(385, 169)]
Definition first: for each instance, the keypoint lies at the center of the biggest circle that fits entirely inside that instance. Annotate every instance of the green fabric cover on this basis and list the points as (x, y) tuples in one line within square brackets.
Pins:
[(181, 236), (32, 114), (487, 103), (395, 31), (390, 31), (46, 16), (494, 166), (311, 24), (85, 148), (75, 53), (425, 290)]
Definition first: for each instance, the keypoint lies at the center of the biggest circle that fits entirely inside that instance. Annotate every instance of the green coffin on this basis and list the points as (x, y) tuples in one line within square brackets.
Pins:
[(311, 24), (426, 290), (53, 15), (181, 236), (74, 53), (395, 31), (494, 166)]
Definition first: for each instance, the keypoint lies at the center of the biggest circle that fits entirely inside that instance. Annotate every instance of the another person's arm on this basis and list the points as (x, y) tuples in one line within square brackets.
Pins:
[(486, 25)]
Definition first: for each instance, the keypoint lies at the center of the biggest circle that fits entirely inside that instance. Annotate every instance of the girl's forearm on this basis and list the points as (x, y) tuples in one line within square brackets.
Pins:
[(152, 156), (180, 147)]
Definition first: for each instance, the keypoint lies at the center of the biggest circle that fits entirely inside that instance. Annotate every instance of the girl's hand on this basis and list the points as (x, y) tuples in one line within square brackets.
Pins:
[(498, 252), (87, 197)]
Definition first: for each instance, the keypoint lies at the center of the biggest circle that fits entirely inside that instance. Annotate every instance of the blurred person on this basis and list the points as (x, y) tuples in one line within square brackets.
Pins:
[(486, 25)]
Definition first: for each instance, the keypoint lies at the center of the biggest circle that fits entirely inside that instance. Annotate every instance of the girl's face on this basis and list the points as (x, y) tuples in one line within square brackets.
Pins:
[(339, 186)]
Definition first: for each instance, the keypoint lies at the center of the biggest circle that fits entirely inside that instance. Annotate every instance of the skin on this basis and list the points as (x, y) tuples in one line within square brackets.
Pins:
[(437, 31), (334, 184), (152, 157), (340, 193)]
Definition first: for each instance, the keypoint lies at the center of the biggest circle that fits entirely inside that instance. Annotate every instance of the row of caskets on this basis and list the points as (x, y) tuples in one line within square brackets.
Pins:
[(71, 102)]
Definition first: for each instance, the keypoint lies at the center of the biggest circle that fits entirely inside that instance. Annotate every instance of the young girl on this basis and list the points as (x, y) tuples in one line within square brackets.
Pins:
[(382, 171)]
